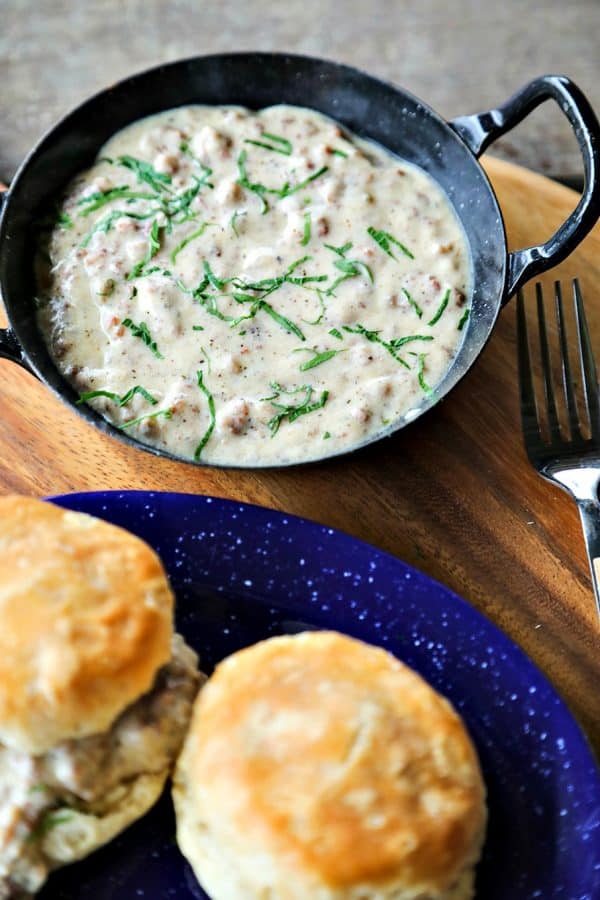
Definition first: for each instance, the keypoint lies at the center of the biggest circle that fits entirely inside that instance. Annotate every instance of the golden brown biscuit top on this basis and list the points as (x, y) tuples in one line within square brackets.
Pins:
[(341, 758), (86, 614)]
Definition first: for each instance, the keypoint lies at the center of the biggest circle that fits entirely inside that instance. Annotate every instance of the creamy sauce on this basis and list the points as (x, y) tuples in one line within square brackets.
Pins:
[(252, 288)]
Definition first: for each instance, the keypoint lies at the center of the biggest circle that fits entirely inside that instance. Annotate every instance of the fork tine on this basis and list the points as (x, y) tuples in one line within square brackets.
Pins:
[(529, 417), (566, 365), (565, 461), (553, 423), (588, 365)]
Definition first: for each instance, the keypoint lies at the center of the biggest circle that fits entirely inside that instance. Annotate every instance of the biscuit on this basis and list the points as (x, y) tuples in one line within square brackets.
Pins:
[(319, 766), (87, 620)]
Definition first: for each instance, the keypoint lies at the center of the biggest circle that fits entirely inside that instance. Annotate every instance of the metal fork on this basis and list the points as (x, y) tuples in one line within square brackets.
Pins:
[(564, 456)]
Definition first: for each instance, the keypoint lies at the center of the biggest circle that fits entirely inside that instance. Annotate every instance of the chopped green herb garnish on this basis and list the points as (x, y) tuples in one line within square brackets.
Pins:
[(233, 219), (464, 319), (120, 401), (334, 332), (175, 207), (373, 336), (353, 267), (349, 267), (179, 204), (307, 228), (276, 144), (283, 142), (105, 223), (171, 204), (408, 339), (39, 787), (384, 239), (287, 191), (281, 320), (326, 436), (48, 821), (440, 309), (153, 248), (254, 187), (189, 239), (211, 278), (145, 172), (211, 411), (321, 296), (57, 217), (98, 199), (341, 251), (261, 189), (244, 298), (252, 293), (291, 412), (420, 375), (281, 390), (318, 358), (167, 413), (339, 153), (267, 286), (141, 331), (185, 148), (288, 277), (197, 327), (413, 303), (207, 355), (206, 300), (152, 270)]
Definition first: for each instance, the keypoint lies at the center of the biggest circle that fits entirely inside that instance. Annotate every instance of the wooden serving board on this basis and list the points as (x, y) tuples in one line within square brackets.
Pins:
[(454, 495)]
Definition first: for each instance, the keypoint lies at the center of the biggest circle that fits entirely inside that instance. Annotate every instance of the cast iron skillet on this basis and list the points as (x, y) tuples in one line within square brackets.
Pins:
[(448, 151)]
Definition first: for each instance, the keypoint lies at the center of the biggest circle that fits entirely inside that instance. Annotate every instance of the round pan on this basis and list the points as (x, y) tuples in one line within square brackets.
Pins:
[(373, 109)]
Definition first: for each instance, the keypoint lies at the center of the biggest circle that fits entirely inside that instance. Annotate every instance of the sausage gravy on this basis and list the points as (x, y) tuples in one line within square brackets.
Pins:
[(252, 288)]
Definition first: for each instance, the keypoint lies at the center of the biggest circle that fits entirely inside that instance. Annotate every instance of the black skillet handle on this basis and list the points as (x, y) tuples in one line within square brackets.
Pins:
[(480, 130), (9, 345)]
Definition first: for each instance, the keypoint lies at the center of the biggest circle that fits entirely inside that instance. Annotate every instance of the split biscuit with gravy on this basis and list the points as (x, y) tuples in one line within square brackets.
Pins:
[(317, 766), (96, 689)]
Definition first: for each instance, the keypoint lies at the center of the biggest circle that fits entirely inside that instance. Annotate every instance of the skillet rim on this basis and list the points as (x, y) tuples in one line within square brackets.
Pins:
[(69, 396)]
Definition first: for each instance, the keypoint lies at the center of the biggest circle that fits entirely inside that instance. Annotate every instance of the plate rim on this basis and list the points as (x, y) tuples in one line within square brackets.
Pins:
[(508, 643)]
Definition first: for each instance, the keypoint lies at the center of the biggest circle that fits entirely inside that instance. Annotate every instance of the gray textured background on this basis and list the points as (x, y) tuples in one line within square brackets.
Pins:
[(458, 56)]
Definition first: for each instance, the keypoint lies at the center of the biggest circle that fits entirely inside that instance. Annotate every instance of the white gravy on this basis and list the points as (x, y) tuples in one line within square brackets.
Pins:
[(252, 305)]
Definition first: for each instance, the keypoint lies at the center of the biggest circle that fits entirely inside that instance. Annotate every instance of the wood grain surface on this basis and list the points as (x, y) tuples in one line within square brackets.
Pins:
[(454, 494)]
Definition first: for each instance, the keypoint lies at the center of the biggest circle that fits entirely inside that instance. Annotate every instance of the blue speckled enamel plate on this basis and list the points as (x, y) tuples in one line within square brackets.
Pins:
[(242, 573)]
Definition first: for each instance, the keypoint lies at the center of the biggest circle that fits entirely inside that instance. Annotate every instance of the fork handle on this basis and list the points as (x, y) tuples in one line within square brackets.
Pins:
[(589, 511), (480, 130)]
